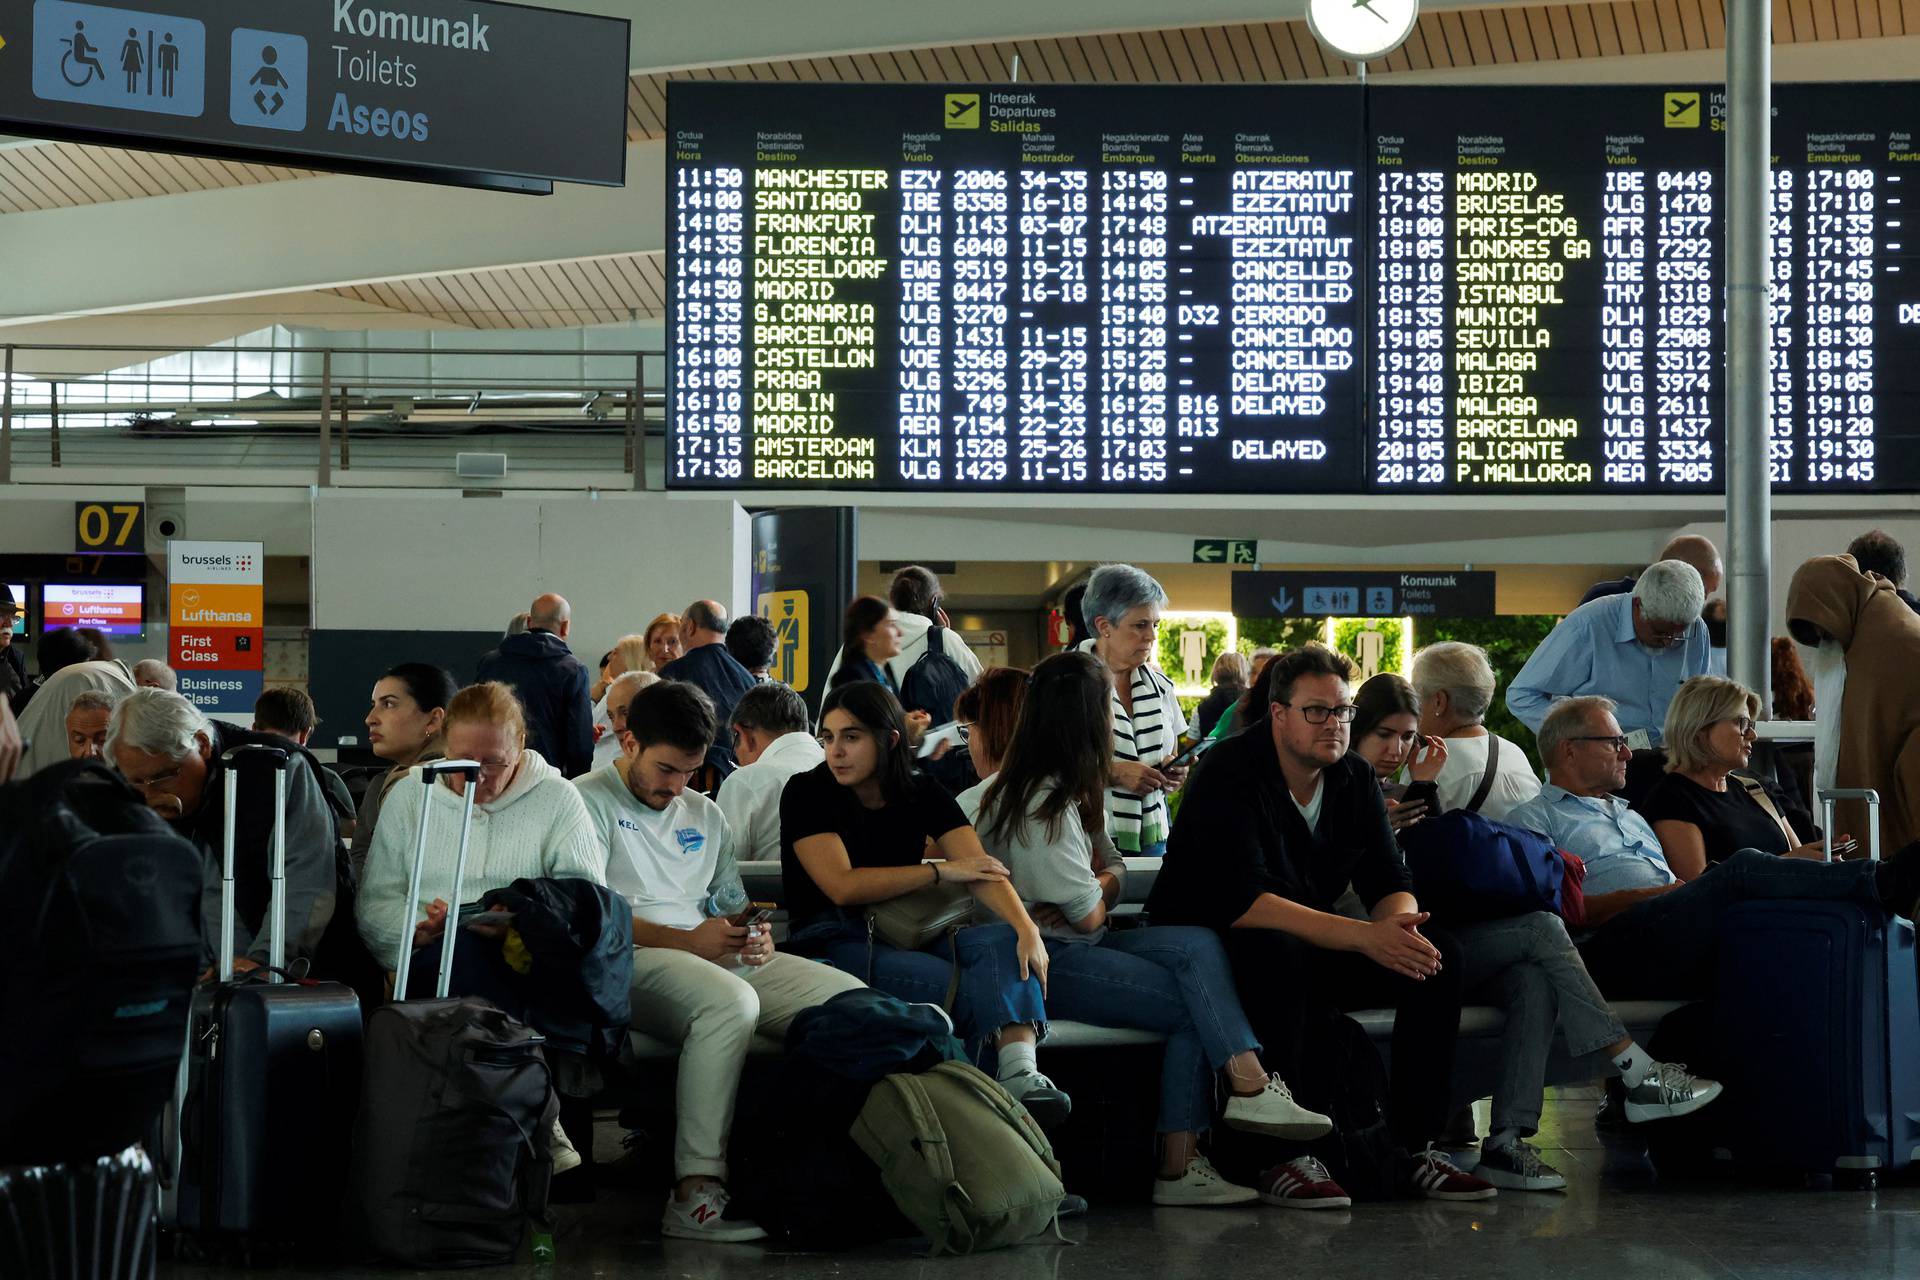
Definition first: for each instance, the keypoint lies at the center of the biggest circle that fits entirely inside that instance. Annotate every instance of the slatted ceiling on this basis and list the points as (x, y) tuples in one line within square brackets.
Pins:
[(550, 295), (68, 175)]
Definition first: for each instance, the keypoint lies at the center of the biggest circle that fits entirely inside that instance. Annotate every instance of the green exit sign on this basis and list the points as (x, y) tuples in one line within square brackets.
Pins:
[(1224, 551)]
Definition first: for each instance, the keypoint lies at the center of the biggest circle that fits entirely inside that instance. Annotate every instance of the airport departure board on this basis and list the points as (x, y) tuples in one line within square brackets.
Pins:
[(1274, 289)]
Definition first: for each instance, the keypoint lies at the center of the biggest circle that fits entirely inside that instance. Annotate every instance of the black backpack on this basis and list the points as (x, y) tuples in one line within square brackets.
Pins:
[(1347, 1080), (100, 963), (932, 684), (796, 1168)]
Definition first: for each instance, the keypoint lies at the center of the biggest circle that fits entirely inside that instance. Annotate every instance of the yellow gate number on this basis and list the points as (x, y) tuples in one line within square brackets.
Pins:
[(118, 526)]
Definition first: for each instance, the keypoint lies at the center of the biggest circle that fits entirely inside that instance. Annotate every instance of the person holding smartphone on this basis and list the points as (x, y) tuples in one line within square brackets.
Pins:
[(706, 975), (1122, 607)]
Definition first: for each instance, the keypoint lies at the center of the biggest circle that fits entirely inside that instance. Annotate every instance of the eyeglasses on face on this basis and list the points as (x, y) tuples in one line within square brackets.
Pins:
[(1742, 725), (1317, 712), (1616, 744)]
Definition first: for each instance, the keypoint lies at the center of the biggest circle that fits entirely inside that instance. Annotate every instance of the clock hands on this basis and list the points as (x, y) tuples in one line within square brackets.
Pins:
[(1368, 6)]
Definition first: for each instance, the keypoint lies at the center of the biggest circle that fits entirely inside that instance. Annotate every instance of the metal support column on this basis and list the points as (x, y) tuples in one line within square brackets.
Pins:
[(1749, 400), (346, 441), (639, 422), (6, 423), (53, 422), (326, 419)]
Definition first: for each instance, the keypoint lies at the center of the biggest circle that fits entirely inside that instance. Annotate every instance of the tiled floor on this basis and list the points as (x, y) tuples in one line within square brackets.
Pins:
[(1618, 1220)]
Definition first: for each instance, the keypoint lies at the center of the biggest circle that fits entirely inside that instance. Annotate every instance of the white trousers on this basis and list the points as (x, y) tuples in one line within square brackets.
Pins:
[(712, 1013)]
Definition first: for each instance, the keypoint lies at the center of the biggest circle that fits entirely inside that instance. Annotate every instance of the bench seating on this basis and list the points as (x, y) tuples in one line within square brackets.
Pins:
[(1476, 1065)]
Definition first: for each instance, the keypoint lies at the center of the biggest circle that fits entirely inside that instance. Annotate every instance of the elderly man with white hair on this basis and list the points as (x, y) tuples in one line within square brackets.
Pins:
[(1455, 685), (151, 673), (1636, 650), (171, 755)]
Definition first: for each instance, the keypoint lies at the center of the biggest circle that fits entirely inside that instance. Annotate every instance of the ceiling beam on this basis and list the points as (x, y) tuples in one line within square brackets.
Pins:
[(322, 233)]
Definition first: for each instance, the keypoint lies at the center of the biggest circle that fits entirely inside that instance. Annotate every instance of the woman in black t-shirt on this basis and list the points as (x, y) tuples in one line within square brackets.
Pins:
[(1702, 810), (853, 832)]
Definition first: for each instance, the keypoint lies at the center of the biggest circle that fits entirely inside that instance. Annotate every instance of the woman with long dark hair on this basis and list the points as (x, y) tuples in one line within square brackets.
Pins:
[(854, 833), (1043, 815), (869, 640)]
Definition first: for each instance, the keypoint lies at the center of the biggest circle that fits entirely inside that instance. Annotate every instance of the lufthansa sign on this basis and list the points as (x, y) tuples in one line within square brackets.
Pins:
[(466, 92)]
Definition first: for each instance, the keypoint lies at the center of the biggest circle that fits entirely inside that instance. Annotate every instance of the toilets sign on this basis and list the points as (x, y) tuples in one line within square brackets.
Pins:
[(215, 613), (468, 92)]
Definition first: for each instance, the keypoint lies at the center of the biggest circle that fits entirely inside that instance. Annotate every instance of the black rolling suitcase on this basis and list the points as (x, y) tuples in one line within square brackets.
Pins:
[(452, 1153), (271, 1078)]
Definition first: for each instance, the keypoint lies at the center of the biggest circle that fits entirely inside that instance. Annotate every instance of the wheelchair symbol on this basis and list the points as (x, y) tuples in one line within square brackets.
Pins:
[(80, 53)]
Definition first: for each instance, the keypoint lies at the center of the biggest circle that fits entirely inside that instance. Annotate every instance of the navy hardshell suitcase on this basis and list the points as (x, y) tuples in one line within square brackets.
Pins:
[(1817, 1022), (271, 1079)]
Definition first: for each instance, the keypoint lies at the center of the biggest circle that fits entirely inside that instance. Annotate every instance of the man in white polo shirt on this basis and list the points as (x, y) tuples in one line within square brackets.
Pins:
[(700, 980), (772, 741)]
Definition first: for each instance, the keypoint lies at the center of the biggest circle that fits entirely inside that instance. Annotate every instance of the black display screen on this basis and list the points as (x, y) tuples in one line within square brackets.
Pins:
[(1272, 289)]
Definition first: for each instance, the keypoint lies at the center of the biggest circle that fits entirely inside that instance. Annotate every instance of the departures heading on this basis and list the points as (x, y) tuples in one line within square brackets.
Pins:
[(1261, 289)]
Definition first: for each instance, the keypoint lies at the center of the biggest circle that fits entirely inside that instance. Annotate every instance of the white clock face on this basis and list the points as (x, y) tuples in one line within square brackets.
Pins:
[(1362, 30)]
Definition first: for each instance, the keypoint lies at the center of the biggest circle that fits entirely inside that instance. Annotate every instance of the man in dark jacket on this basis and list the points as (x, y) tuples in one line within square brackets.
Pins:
[(1275, 826), (551, 684), (705, 663), (171, 755)]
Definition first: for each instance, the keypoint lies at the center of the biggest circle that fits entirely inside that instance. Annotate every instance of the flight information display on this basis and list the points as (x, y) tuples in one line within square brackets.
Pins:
[(1259, 289)]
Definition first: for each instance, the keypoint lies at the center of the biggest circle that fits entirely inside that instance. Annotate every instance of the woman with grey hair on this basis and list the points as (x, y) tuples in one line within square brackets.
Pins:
[(1122, 609), (1703, 810), (1455, 684)]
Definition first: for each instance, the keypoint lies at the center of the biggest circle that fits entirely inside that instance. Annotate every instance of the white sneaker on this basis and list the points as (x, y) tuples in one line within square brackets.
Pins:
[(1669, 1090), (1200, 1185), (1045, 1102), (1273, 1111), (566, 1156), (702, 1216)]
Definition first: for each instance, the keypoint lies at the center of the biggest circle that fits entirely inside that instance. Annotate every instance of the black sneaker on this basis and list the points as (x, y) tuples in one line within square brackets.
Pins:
[(1518, 1167)]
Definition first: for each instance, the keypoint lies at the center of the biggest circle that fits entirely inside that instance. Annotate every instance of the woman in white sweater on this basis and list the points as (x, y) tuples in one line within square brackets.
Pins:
[(1043, 814), (528, 821)]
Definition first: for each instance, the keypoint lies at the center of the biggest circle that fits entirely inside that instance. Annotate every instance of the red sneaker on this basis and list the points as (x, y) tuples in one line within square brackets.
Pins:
[(1432, 1175), (1302, 1184)]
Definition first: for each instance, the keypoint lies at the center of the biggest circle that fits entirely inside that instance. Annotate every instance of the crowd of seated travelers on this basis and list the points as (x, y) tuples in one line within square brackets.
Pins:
[(1281, 891)]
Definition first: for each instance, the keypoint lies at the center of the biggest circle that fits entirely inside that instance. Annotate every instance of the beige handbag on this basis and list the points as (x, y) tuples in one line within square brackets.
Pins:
[(914, 920), (1758, 794)]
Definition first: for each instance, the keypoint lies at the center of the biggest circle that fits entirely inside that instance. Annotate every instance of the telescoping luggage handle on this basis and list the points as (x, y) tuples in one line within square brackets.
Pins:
[(431, 773), (1831, 796), (257, 756)]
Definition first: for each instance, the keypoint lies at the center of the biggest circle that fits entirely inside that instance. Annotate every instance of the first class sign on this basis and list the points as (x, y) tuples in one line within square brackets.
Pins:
[(216, 601), (466, 92)]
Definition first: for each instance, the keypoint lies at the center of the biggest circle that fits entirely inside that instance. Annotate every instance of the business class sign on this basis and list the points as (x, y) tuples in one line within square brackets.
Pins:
[(467, 92), (216, 607)]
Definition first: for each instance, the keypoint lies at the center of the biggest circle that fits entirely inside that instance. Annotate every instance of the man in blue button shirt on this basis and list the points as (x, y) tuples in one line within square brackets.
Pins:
[(1633, 649), (1650, 935)]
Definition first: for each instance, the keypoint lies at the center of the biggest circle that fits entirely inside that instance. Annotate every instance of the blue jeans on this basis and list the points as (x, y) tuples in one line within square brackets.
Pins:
[(1172, 979), (1664, 948), (991, 994)]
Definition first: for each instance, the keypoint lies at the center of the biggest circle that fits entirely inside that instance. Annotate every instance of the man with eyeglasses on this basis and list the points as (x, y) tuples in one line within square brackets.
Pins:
[(1635, 649), (772, 742), (705, 973), (1275, 827), (1649, 935), (171, 755)]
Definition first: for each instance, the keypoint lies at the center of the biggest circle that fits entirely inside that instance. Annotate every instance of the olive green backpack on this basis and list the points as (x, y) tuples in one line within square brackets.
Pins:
[(963, 1161)]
